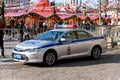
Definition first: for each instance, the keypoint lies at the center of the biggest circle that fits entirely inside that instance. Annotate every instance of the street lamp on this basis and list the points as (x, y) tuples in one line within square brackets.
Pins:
[(84, 11), (53, 6), (54, 11)]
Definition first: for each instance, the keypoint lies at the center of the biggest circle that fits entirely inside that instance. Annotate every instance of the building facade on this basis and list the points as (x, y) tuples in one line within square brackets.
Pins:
[(13, 3), (71, 2), (16, 5)]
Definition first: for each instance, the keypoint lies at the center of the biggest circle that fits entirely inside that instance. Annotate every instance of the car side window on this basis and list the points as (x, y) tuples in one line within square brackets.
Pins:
[(69, 36), (83, 35)]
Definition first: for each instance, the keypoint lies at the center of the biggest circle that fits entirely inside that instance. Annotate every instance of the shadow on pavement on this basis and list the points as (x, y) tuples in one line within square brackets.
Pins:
[(83, 61), (7, 59)]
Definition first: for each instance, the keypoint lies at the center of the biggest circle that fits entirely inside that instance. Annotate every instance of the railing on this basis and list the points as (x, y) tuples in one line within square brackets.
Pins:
[(112, 34), (109, 31), (12, 36)]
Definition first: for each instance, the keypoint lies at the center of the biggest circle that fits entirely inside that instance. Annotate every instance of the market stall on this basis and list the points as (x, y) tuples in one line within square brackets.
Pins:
[(52, 20), (85, 18), (95, 19), (73, 19), (32, 20)]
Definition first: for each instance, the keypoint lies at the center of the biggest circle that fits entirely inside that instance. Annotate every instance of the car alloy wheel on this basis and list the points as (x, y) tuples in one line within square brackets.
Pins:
[(49, 58), (96, 53)]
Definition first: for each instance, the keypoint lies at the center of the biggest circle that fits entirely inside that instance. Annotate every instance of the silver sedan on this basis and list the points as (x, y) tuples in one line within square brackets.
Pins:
[(57, 44)]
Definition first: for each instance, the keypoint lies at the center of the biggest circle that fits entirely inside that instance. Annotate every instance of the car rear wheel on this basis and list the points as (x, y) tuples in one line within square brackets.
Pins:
[(49, 58), (96, 53)]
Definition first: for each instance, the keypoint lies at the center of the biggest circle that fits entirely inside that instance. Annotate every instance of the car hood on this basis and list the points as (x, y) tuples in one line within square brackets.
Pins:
[(33, 44)]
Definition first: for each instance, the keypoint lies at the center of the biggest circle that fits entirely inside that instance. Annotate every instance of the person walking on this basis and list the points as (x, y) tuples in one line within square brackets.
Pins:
[(41, 26), (2, 43), (21, 31), (26, 35), (45, 26)]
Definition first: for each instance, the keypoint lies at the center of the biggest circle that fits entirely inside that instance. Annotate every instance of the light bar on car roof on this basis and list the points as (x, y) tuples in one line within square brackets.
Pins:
[(66, 26)]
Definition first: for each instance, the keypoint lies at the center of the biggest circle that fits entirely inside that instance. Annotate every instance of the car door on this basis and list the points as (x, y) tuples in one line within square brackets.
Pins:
[(85, 41), (69, 47)]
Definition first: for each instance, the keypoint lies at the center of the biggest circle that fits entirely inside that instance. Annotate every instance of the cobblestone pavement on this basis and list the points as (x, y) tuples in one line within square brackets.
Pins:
[(83, 68)]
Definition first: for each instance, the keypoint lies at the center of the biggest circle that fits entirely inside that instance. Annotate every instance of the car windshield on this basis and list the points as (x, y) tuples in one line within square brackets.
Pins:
[(49, 36)]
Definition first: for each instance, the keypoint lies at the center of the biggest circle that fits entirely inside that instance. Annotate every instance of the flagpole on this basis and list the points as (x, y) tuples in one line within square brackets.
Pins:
[(80, 3)]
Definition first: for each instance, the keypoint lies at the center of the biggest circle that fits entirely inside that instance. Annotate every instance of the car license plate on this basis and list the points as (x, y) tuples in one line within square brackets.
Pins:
[(17, 56)]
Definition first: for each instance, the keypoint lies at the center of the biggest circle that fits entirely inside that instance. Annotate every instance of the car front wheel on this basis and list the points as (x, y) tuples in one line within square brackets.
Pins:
[(96, 53), (49, 58)]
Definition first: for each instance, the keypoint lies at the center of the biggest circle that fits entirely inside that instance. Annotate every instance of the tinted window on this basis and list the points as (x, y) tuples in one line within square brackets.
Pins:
[(83, 35), (70, 36)]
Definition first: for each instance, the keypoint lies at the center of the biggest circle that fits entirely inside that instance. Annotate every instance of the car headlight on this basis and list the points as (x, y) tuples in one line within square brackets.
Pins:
[(34, 50)]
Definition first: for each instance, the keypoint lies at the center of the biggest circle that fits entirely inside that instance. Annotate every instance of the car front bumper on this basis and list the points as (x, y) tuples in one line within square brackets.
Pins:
[(27, 57)]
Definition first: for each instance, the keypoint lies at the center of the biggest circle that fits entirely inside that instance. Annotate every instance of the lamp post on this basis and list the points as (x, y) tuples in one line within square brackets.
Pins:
[(84, 10), (53, 6), (54, 11)]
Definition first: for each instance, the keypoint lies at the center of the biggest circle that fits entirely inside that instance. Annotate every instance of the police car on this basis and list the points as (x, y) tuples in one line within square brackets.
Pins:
[(57, 44)]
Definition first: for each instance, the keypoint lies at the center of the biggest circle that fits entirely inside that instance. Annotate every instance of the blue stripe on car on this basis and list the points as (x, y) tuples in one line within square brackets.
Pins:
[(69, 42)]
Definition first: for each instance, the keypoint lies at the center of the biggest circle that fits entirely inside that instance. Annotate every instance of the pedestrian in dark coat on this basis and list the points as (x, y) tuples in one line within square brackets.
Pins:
[(2, 43), (21, 31)]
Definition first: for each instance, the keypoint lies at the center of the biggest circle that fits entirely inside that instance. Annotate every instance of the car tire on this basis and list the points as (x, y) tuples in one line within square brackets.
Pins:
[(49, 58), (96, 53)]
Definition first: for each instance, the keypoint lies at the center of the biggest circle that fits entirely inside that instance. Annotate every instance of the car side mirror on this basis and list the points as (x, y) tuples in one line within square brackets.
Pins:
[(62, 40)]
